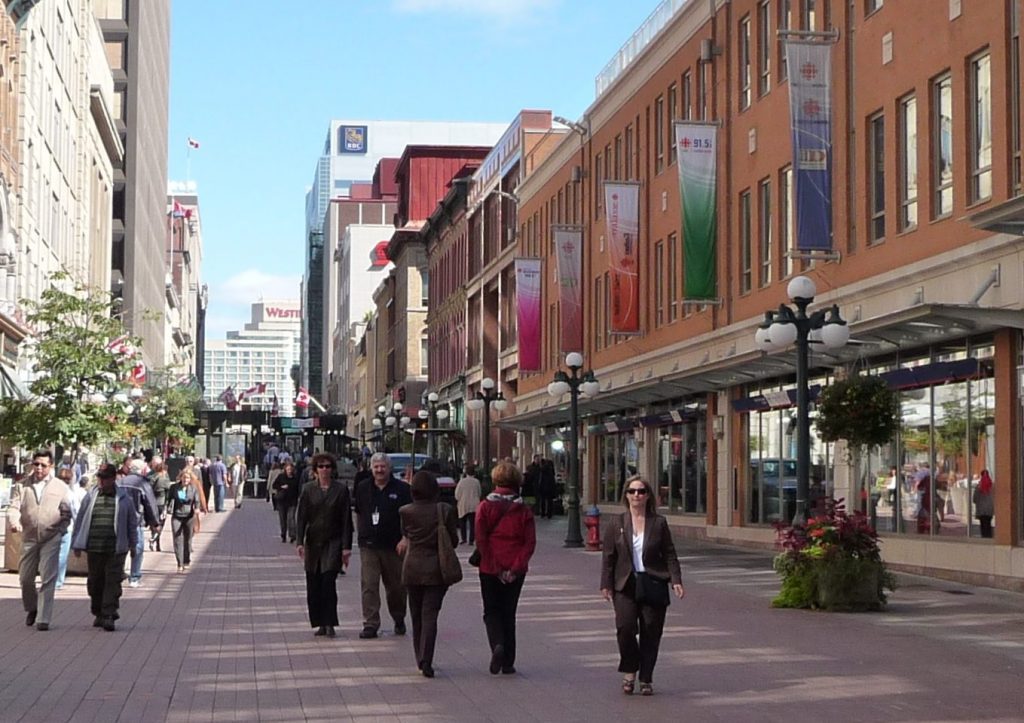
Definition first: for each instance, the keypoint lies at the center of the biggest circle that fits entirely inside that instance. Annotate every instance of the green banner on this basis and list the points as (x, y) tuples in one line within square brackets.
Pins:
[(695, 143)]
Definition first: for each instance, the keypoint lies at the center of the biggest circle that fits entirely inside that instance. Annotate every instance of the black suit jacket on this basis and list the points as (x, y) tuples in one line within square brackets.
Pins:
[(659, 553), (323, 524)]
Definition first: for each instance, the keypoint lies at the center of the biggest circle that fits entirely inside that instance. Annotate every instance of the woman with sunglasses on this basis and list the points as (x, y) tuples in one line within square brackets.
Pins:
[(184, 501), (638, 564), (323, 529)]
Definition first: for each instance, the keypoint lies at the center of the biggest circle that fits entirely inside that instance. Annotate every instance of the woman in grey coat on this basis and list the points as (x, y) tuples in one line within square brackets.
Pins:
[(323, 525)]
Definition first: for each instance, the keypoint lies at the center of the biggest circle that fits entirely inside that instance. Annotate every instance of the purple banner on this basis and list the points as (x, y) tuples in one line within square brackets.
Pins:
[(569, 252), (810, 112), (528, 277)]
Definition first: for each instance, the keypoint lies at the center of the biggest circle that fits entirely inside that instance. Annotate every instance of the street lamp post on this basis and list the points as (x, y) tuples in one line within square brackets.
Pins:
[(433, 414), (781, 329), (384, 419), (485, 398), (575, 383)]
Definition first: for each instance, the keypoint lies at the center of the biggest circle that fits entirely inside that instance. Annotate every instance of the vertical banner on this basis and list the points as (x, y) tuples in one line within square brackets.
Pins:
[(810, 112), (696, 145), (528, 313), (569, 253), (622, 201)]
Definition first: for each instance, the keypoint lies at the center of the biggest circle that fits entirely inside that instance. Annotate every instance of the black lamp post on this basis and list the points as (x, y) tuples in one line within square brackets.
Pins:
[(779, 330), (575, 384), (384, 419), (487, 396), (434, 414)]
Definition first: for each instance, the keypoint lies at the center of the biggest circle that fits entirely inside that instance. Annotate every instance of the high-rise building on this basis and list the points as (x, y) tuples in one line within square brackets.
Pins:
[(182, 287), (350, 155), (261, 353), (137, 36)]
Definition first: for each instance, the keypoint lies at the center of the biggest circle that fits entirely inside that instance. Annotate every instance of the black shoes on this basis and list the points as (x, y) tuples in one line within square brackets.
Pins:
[(30, 619), (97, 622), (508, 670), (367, 634), (400, 627), (322, 630), (43, 627), (108, 625), (497, 657), (330, 631), (427, 670)]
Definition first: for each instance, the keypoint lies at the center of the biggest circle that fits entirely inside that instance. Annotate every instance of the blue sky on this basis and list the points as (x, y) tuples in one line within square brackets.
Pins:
[(256, 82)]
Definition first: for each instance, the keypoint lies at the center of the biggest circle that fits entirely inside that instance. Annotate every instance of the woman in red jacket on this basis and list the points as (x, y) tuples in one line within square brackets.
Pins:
[(506, 538)]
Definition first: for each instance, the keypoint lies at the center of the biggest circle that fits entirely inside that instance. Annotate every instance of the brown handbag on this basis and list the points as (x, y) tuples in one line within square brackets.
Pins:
[(451, 568)]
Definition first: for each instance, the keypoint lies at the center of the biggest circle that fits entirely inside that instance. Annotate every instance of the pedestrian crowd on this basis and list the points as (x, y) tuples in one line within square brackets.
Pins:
[(406, 537)]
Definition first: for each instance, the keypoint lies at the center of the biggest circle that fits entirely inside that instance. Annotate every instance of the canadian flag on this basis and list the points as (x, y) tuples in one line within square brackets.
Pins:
[(228, 397), (302, 399), (275, 409), (192, 142), (177, 210), (252, 391), (121, 346), (138, 373)]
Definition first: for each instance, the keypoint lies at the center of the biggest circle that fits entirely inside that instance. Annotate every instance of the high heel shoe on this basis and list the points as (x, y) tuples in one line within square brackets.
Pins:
[(628, 685), (646, 689)]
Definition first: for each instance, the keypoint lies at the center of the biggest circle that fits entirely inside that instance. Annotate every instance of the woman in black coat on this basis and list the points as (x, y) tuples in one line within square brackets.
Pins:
[(323, 524), (286, 488), (638, 564)]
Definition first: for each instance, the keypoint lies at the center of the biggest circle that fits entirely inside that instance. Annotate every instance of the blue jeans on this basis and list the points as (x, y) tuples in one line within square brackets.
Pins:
[(62, 560), (218, 497), (136, 568)]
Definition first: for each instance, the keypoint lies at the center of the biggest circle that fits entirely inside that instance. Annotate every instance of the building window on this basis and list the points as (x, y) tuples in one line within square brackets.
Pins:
[(908, 163), (871, 6), (876, 175), (424, 288), (744, 63), (607, 306), (670, 127), (810, 15), (942, 146), (659, 284), (785, 23), (617, 157), (659, 134), (981, 128), (1015, 134), (687, 98), (598, 186), (424, 354), (673, 277), (745, 241), (629, 151), (787, 238), (598, 335), (764, 47), (764, 193), (702, 92)]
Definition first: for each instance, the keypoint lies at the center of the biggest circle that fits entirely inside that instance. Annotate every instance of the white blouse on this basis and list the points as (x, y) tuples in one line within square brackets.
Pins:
[(638, 552)]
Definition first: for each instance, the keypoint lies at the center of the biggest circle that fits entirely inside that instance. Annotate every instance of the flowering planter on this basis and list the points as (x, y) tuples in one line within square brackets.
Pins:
[(849, 585)]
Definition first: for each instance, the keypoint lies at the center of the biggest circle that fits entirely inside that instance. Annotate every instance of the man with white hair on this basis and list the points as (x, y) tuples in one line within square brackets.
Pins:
[(140, 492)]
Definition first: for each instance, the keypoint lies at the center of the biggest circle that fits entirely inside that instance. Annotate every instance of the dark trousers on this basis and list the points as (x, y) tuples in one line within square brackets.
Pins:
[(986, 525), (631, 619), (104, 582), (424, 606), (375, 566), (182, 530), (546, 506), (500, 603), (322, 598), (282, 517), (467, 525)]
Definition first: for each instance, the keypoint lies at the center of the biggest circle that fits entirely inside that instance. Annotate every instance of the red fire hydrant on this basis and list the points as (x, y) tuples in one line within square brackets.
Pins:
[(592, 520)]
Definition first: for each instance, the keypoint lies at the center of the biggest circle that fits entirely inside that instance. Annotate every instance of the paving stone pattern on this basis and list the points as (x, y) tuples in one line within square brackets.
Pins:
[(230, 641)]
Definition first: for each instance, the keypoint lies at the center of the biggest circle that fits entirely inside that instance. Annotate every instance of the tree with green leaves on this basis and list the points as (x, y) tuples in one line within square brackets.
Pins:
[(76, 370)]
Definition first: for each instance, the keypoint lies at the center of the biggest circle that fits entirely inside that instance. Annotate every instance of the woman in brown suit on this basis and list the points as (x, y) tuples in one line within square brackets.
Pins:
[(639, 557), (421, 571), (323, 528)]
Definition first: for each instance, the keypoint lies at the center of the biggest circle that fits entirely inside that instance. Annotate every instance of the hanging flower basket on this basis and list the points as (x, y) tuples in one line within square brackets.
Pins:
[(862, 410)]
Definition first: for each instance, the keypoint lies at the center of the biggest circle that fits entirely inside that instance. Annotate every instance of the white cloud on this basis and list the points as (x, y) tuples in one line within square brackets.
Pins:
[(251, 285), (506, 9)]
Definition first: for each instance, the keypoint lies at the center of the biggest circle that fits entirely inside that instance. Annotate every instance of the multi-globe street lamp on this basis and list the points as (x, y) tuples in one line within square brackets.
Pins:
[(485, 398), (385, 418), (434, 413), (574, 383), (780, 330)]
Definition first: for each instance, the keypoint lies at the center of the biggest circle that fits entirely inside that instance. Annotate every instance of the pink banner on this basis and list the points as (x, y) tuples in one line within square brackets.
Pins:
[(623, 203), (569, 252), (528, 277)]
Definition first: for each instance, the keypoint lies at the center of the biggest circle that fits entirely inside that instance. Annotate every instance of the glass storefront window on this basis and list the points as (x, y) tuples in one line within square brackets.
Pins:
[(618, 460), (682, 465)]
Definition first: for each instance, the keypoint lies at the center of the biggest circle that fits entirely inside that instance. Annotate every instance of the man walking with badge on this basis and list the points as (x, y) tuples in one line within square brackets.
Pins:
[(379, 530)]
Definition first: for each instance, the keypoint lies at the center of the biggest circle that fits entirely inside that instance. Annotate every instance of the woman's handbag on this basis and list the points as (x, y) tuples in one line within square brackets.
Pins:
[(474, 559), (451, 568), (651, 590)]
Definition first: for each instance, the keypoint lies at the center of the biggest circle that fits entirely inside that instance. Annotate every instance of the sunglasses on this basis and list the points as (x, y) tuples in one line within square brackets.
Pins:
[(324, 466), (40, 464), (636, 491)]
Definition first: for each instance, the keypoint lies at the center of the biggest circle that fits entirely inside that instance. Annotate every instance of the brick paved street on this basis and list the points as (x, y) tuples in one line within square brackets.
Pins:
[(229, 641)]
